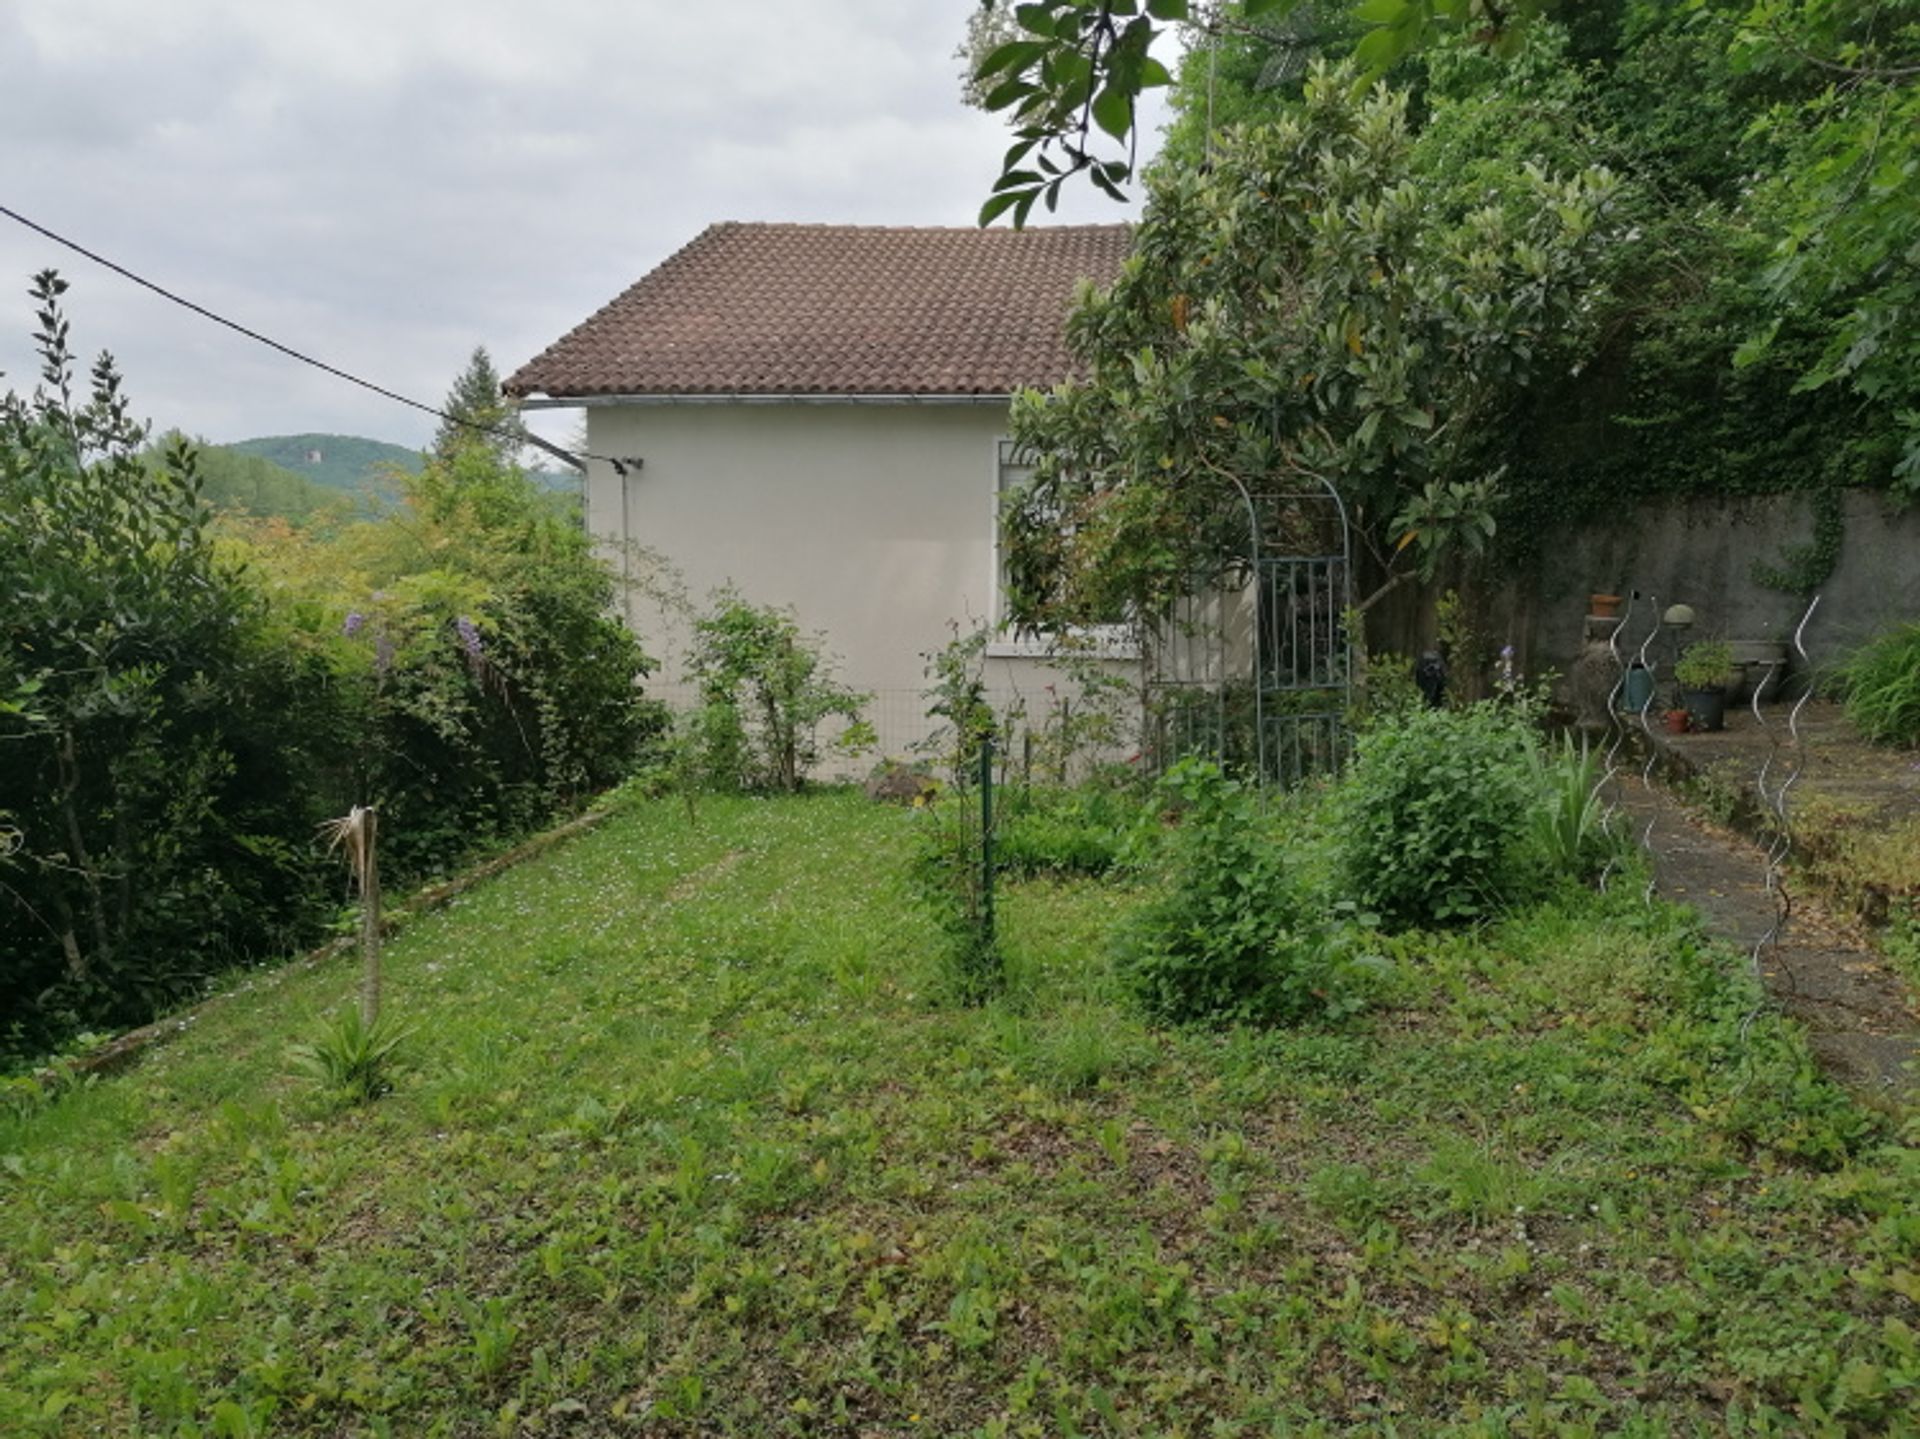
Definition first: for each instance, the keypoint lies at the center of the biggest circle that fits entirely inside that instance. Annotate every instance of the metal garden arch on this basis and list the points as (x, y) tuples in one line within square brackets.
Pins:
[(1253, 668)]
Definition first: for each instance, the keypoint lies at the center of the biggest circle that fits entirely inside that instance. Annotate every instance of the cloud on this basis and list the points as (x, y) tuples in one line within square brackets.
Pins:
[(386, 185)]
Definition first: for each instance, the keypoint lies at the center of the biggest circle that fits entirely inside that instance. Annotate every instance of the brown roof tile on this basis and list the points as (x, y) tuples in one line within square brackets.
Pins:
[(837, 310)]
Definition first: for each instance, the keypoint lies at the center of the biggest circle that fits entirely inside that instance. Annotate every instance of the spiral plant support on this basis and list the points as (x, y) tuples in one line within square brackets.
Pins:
[(1774, 804), (1604, 790), (1653, 755)]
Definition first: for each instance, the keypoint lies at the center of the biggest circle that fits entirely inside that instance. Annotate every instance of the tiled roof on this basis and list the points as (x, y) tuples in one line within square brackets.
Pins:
[(751, 309)]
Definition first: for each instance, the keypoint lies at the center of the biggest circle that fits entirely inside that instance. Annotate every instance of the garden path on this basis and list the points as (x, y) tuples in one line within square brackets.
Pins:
[(1860, 1018)]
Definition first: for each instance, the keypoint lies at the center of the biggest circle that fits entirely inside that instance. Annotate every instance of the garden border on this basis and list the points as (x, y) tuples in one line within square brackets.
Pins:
[(120, 1051)]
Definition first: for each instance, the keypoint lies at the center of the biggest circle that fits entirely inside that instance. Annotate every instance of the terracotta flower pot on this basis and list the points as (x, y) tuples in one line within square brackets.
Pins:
[(1603, 607), (1677, 721)]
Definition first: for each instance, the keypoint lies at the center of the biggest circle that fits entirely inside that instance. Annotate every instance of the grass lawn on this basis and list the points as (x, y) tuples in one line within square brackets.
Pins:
[(690, 1145)]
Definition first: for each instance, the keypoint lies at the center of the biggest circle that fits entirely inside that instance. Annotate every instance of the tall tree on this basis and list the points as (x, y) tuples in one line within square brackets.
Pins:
[(476, 401), (1843, 212), (1304, 309), (1071, 80)]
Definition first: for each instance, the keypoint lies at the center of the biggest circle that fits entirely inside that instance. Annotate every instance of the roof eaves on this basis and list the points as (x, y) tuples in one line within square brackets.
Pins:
[(594, 400)]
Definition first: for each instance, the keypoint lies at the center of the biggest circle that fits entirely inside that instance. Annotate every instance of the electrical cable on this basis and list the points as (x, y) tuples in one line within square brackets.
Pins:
[(578, 461)]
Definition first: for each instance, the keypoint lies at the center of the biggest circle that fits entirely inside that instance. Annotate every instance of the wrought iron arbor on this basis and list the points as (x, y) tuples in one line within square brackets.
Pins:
[(1253, 668)]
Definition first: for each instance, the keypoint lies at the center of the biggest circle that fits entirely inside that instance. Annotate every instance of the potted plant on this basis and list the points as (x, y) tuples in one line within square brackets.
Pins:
[(1760, 665), (1703, 674)]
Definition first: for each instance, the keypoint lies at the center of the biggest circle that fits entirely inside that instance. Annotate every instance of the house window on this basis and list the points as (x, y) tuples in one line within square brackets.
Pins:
[(1013, 471)]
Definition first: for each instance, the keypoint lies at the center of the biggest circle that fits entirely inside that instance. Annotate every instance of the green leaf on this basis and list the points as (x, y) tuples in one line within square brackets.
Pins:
[(1015, 56), (1113, 112), (1008, 91), (1379, 49), (1168, 9), (1755, 347), (1039, 20), (1101, 181), (996, 206)]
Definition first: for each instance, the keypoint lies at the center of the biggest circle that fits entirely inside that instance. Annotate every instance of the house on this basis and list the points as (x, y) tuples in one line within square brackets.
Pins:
[(821, 416)]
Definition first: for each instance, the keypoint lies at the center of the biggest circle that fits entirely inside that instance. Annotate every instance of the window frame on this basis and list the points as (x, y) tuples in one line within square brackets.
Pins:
[(1107, 642)]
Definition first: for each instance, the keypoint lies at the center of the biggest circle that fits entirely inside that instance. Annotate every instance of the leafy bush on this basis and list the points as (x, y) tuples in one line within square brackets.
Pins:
[(1234, 936), (950, 869), (1881, 681), (948, 879), (1431, 812), (183, 701), (160, 743), (1076, 831), (477, 636), (765, 691)]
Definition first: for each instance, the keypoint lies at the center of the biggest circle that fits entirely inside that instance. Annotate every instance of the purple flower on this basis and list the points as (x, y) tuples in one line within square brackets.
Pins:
[(469, 637), (355, 622), (1504, 678)]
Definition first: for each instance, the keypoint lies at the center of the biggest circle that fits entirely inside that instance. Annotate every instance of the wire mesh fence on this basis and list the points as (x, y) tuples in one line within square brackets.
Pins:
[(1033, 718)]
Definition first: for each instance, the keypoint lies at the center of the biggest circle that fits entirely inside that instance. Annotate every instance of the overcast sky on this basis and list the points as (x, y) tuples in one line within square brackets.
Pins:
[(387, 185)]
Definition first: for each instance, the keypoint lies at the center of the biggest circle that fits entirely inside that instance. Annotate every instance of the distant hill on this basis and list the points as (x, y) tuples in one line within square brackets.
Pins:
[(361, 466), (231, 479), (340, 462)]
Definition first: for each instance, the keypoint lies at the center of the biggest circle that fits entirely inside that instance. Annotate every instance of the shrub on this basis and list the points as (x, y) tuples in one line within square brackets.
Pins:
[(947, 878), (159, 740), (1051, 831), (1881, 681), (183, 701), (1234, 936), (1431, 812), (478, 634), (765, 690), (950, 870)]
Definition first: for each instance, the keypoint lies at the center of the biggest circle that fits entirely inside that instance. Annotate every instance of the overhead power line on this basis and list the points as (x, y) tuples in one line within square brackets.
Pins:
[(621, 465)]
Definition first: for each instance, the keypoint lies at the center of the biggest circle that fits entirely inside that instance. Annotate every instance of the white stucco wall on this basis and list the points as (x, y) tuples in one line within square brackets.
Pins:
[(875, 522)]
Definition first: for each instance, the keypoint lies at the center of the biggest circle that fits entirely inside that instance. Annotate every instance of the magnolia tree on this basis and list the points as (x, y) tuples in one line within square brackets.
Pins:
[(1069, 74), (1304, 309)]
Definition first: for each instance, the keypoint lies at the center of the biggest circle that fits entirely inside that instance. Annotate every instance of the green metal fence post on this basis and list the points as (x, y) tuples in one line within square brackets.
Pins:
[(986, 837)]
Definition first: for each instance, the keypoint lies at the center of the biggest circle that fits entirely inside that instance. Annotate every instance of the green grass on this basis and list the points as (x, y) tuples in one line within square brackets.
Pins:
[(1882, 684), (685, 1145)]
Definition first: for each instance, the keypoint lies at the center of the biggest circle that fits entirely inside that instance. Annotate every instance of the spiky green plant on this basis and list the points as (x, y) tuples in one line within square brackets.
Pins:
[(351, 1060), (352, 1056), (1570, 820), (1881, 681)]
